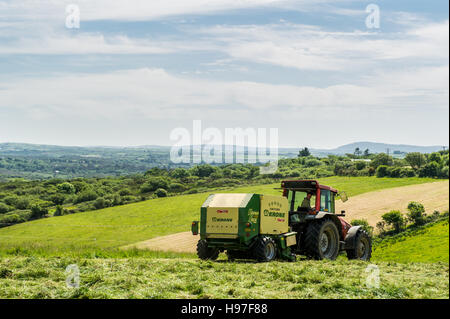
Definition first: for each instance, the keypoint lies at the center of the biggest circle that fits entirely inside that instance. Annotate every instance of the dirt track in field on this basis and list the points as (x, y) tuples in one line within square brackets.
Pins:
[(180, 242), (370, 206)]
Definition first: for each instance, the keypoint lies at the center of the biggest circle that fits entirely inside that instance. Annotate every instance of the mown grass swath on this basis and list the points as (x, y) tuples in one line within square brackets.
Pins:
[(38, 277)]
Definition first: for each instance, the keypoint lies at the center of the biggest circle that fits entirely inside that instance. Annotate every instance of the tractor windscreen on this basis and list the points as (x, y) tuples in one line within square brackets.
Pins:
[(300, 201)]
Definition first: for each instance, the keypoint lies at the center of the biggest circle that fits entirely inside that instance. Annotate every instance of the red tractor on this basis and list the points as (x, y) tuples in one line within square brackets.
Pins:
[(321, 232)]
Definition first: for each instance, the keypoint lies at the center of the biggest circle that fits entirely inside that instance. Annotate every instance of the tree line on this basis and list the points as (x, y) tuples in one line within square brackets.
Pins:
[(22, 200)]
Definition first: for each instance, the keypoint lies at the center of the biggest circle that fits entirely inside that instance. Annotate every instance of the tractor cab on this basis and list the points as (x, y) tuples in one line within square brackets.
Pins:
[(321, 232), (321, 198)]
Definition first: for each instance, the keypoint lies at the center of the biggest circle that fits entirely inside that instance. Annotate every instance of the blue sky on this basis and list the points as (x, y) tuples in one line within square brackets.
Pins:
[(135, 70)]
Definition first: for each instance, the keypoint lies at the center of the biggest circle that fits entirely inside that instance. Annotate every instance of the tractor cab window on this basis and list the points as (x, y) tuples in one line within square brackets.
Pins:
[(326, 201), (299, 201)]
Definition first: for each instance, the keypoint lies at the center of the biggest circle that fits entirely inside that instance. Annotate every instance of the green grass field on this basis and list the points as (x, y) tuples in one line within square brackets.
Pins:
[(34, 257), (121, 225), (428, 244)]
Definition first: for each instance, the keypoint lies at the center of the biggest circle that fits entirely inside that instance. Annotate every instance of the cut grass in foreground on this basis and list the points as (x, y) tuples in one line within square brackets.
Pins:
[(37, 277), (121, 225)]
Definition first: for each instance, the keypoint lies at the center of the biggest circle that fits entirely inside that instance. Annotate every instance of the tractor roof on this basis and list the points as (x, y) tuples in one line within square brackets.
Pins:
[(305, 184)]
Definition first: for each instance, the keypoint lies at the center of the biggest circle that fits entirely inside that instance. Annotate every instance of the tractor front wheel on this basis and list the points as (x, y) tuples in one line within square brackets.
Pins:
[(265, 249), (322, 240), (206, 253), (362, 249)]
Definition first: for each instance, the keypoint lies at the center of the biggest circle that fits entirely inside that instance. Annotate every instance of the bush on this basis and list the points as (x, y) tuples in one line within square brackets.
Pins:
[(435, 157), (382, 171), (67, 188), (128, 199), (38, 212), (365, 225), (381, 159), (117, 200), (179, 173), (10, 219), (312, 163), (59, 211), (395, 219), (86, 196), (415, 159), (407, 172), (11, 200), (430, 170), (125, 192), (22, 203), (102, 203), (202, 170), (394, 171), (58, 199), (153, 184), (161, 192), (360, 165), (4, 208), (176, 187), (156, 171), (416, 213)]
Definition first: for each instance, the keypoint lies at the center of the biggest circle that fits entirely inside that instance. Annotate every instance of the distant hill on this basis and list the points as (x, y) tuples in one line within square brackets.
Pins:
[(378, 148)]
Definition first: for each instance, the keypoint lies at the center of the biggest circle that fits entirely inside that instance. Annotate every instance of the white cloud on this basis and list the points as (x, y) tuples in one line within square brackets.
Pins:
[(126, 9), (85, 44), (154, 93), (306, 47)]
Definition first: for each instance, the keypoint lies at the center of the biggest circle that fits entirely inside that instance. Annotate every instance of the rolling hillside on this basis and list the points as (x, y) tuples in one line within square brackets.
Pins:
[(88, 240), (428, 244), (121, 225)]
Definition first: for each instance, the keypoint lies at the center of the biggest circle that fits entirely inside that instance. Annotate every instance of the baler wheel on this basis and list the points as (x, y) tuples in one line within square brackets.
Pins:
[(265, 249), (363, 247), (322, 240), (206, 253)]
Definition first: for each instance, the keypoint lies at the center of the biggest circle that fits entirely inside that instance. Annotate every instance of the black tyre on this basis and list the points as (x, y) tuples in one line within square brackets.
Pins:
[(206, 253), (363, 247), (322, 240), (265, 249)]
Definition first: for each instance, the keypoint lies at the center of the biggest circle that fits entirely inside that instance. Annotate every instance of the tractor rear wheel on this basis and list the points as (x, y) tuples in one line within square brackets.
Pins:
[(322, 240), (206, 253), (363, 247), (265, 249)]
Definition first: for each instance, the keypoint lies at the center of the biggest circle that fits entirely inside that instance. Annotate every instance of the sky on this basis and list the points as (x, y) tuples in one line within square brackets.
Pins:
[(136, 70)]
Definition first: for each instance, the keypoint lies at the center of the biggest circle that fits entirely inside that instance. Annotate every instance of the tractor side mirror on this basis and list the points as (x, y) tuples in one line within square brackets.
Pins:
[(343, 196)]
